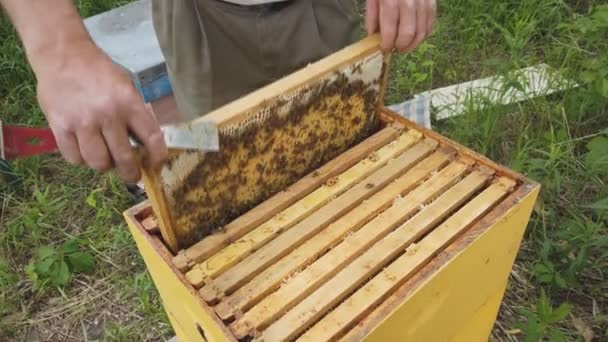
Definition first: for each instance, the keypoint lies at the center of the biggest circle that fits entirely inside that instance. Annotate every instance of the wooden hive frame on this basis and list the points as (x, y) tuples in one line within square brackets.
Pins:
[(389, 240), (292, 119)]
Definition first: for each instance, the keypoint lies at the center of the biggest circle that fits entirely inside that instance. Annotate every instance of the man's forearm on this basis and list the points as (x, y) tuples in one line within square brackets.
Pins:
[(48, 29)]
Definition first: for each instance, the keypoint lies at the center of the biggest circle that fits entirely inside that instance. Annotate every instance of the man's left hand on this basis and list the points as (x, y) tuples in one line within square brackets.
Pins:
[(403, 24)]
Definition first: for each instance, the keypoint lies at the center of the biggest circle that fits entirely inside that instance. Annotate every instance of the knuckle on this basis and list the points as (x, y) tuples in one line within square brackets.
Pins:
[(61, 127), (408, 33), (392, 3), (127, 93), (388, 35), (71, 159), (109, 119), (101, 164), (88, 123), (102, 105), (103, 167), (420, 38), (138, 110), (129, 175), (156, 139), (404, 39), (125, 159)]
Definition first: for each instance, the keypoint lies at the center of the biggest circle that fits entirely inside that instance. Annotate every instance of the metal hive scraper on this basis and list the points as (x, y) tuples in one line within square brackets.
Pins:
[(20, 141)]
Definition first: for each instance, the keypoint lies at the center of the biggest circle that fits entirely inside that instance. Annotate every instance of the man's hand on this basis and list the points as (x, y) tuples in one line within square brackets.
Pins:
[(91, 105), (89, 102), (403, 24)]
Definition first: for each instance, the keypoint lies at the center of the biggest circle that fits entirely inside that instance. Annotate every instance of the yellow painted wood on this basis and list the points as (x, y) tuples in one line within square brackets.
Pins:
[(438, 302), (479, 327), (181, 302), (353, 246), (154, 192), (292, 238), (313, 307), (181, 333), (241, 248), (380, 287)]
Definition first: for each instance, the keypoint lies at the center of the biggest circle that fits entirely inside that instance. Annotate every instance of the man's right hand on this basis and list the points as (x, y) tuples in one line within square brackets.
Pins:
[(91, 106)]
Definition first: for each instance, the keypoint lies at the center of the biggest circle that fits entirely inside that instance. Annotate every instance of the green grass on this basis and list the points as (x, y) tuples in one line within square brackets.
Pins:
[(558, 289)]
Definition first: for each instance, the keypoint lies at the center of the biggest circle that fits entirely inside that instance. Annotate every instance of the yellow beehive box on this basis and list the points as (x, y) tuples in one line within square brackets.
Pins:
[(397, 234)]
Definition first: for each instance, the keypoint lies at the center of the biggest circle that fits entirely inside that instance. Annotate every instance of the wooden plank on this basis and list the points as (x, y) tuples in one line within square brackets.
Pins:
[(271, 277), (353, 246), (210, 245), (312, 308), (253, 240), (381, 286), (154, 191), (284, 243), (150, 224)]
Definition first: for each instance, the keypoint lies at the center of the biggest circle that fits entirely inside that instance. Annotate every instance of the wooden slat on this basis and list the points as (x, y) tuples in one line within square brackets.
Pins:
[(305, 282), (380, 287), (210, 245), (286, 219), (154, 191), (271, 277), (150, 224), (287, 241), (312, 308)]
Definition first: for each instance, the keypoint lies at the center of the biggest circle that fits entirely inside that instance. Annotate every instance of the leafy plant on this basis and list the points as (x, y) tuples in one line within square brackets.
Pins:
[(7, 280), (415, 71), (597, 157), (594, 28), (56, 266), (38, 216), (103, 207), (540, 321), (564, 257)]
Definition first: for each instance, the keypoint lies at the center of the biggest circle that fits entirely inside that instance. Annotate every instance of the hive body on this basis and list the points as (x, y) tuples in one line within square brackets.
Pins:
[(326, 217), (420, 233)]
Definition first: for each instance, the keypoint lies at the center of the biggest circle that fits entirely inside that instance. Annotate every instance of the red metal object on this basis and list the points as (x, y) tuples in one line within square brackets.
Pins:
[(20, 142)]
